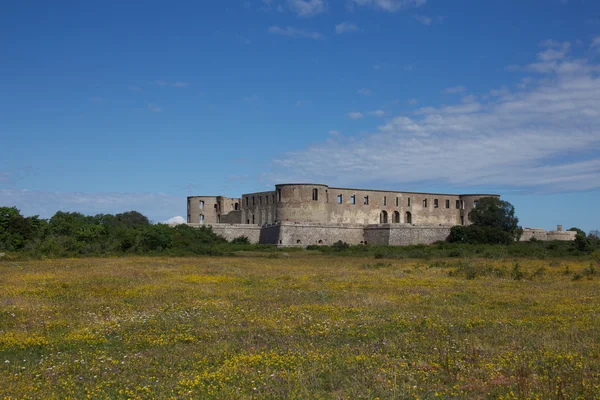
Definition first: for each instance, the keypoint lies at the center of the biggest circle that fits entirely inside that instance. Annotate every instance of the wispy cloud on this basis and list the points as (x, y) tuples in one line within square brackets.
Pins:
[(307, 8), (377, 113), (596, 42), (346, 27), (294, 32), (5, 176), (364, 92), (388, 5), (157, 206), (355, 115), (134, 88), (454, 90), (155, 108), (541, 137), (413, 101), (427, 20), (178, 84)]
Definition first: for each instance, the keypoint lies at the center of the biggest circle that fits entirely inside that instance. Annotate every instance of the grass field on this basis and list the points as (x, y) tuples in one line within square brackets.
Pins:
[(304, 326)]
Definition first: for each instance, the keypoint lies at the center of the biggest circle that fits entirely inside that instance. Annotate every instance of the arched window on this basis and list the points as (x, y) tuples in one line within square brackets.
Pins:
[(396, 217), (320, 242), (315, 194), (408, 218), (201, 204), (201, 220), (383, 217), (237, 206)]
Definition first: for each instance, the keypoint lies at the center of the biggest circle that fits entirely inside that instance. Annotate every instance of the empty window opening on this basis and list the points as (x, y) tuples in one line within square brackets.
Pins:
[(315, 195), (327, 195), (457, 204), (353, 199), (278, 194), (253, 219), (366, 201), (216, 206), (385, 200), (298, 241), (424, 203), (339, 199), (246, 202), (396, 217), (435, 203), (266, 199), (273, 198), (462, 204), (248, 221), (320, 242), (280, 242), (408, 218), (383, 217), (447, 203), (201, 219), (462, 220), (253, 201), (397, 201), (408, 203), (201, 204)]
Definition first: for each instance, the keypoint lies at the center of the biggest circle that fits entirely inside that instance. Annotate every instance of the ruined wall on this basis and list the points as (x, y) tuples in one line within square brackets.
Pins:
[(229, 232), (411, 235), (205, 206), (214, 209), (258, 208), (304, 234), (538, 233), (561, 235), (302, 203)]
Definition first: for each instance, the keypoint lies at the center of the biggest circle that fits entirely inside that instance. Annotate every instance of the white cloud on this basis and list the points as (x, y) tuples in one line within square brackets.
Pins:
[(377, 113), (345, 27), (554, 50), (294, 32), (333, 132), (355, 115), (455, 90), (178, 220), (542, 136), (389, 5), (181, 84), (364, 92), (307, 8), (424, 19), (156, 206), (412, 102), (155, 108)]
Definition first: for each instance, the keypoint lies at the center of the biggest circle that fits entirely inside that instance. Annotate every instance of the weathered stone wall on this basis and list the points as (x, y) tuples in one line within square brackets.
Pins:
[(377, 234), (541, 234), (411, 235), (304, 234), (258, 208), (232, 231), (561, 235), (202, 205), (302, 203), (538, 233)]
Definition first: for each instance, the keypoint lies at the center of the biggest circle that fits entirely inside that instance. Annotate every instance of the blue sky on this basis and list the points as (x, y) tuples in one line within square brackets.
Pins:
[(111, 106)]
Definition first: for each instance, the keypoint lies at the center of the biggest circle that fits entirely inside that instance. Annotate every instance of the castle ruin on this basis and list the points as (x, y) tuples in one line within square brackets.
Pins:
[(304, 214)]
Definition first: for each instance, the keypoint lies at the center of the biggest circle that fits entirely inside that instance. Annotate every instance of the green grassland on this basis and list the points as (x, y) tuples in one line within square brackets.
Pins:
[(299, 325)]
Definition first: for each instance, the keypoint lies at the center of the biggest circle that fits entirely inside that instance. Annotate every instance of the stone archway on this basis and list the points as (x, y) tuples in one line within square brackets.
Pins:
[(383, 217), (396, 217), (408, 218)]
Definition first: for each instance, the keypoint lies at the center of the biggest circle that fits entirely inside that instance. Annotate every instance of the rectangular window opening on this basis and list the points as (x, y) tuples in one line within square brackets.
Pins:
[(447, 203), (340, 199), (397, 201), (385, 200), (424, 203), (315, 194), (278, 194), (353, 199), (201, 204), (435, 203), (409, 202), (457, 204), (366, 201)]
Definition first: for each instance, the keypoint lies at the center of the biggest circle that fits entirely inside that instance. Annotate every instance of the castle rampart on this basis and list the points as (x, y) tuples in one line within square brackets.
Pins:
[(300, 214)]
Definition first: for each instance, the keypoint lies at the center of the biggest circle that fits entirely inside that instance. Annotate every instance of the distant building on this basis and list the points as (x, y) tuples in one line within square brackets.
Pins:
[(303, 214)]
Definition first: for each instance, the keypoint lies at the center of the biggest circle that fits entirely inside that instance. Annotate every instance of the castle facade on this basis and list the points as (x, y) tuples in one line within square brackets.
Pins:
[(305, 213)]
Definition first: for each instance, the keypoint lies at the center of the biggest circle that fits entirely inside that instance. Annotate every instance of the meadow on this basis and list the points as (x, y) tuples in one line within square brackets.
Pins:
[(300, 325)]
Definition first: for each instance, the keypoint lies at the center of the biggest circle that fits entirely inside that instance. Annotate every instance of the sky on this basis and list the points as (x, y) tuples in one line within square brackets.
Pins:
[(113, 106)]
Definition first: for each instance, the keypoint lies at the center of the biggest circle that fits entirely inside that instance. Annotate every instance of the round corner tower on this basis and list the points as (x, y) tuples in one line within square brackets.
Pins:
[(302, 202)]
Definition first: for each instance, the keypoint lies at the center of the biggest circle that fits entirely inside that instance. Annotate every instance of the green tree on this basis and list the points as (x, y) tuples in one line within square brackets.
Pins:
[(494, 213)]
